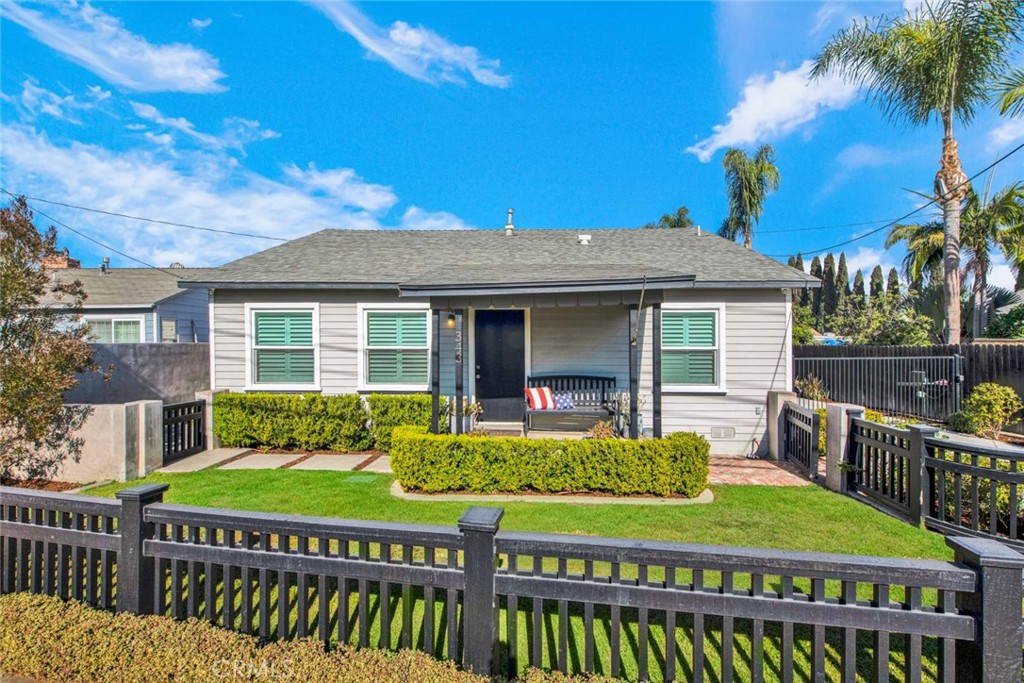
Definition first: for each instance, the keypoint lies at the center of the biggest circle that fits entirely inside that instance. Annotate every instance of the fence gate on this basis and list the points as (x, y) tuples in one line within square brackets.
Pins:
[(800, 438), (184, 429), (924, 387)]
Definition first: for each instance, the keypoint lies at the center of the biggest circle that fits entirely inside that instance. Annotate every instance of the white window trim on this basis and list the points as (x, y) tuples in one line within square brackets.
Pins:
[(361, 311), (250, 346), (721, 387), (141, 319)]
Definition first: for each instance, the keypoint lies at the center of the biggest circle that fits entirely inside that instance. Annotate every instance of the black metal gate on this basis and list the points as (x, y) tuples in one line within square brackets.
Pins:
[(184, 429)]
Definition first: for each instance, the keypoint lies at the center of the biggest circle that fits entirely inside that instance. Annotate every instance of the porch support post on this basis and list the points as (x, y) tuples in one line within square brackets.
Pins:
[(457, 408), (634, 374), (656, 368), (435, 371)]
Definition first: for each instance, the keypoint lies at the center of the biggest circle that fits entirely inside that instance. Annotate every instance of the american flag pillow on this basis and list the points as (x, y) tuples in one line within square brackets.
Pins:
[(540, 398), (563, 401)]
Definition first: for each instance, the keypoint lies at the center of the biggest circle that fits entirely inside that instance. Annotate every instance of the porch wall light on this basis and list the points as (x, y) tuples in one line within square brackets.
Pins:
[(451, 320)]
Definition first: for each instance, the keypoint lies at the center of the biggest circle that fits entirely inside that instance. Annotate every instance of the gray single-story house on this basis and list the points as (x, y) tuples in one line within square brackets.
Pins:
[(137, 305), (694, 329)]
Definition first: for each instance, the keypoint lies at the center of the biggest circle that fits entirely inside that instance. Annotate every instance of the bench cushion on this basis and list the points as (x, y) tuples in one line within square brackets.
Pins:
[(540, 398), (563, 401)]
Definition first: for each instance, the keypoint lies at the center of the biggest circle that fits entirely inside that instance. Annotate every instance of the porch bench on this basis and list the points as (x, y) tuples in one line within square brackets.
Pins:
[(593, 397)]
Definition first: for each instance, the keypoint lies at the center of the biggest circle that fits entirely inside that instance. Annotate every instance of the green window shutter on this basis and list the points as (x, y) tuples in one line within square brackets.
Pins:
[(683, 329), (688, 367), (284, 366), (389, 366), (396, 328), (284, 328)]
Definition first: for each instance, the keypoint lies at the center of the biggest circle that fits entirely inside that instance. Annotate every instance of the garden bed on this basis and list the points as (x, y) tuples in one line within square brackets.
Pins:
[(41, 484)]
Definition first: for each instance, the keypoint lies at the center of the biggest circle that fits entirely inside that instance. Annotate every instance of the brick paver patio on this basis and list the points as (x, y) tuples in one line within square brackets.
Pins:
[(753, 472)]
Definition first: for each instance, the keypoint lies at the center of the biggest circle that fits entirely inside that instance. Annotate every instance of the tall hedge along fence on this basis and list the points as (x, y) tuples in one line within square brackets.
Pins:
[(315, 421), (674, 465)]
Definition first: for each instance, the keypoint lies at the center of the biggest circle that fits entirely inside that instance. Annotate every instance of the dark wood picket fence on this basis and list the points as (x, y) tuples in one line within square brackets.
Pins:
[(498, 601), (800, 446)]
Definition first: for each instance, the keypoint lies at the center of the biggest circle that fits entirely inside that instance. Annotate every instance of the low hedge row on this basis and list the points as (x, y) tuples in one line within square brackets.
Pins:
[(308, 421), (315, 421), (675, 465), (388, 411), (52, 640)]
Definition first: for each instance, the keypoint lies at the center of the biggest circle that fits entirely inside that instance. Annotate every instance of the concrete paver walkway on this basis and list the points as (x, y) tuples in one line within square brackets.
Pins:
[(381, 465), (262, 461), (743, 471), (204, 460), (331, 462)]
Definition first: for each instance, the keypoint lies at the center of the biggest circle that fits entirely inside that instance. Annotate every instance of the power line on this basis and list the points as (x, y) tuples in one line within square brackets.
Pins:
[(152, 220), (908, 215), (826, 227), (96, 241)]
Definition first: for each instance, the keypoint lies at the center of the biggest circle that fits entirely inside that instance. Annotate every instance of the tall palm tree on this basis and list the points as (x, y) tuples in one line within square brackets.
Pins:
[(749, 181), (1011, 93), (679, 219), (938, 64), (989, 223)]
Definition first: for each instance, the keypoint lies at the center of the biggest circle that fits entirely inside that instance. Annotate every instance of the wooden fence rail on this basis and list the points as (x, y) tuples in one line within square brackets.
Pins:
[(498, 601), (802, 426)]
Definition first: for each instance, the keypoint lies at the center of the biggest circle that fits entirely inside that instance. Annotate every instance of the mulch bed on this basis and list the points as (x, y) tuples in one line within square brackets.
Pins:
[(40, 484)]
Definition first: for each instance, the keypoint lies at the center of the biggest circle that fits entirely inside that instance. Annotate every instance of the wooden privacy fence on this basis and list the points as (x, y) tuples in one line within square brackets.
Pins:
[(800, 438), (955, 488), (497, 601)]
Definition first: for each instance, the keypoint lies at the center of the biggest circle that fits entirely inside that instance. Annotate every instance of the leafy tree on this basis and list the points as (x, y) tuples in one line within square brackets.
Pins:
[(938, 64), (924, 250), (876, 287), (1009, 325), (749, 181), (877, 323), (40, 353), (816, 292), (679, 219), (842, 281), (892, 286), (829, 291), (858, 296), (803, 325)]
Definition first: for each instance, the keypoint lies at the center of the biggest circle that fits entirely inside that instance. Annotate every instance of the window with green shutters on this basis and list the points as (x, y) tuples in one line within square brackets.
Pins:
[(397, 348), (689, 348), (284, 349)]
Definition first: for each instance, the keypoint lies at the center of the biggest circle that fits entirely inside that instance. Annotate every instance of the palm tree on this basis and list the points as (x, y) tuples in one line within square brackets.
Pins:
[(1011, 93), (679, 219), (940, 64), (989, 223), (749, 181)]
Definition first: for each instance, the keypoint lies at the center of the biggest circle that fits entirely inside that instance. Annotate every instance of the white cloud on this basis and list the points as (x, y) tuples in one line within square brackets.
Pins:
[(195, 187), (416, 218), (1005, 134), (862, 155), (827, 16), (99, 42), (773, 107), (35, 100), (414, 50), (200, 24), (865, 259), (238, 132), (1002, 275)]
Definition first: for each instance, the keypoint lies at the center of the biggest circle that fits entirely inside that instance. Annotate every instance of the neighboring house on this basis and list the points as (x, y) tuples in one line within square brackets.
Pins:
[(694, 328), (137, 305)]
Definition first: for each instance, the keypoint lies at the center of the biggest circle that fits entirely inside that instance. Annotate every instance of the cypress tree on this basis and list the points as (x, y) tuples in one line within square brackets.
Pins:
[(829, 290), (858, 290), (816, 293), (877, 286), (892, 285), (791, 262), (804, 298), (842, 282)]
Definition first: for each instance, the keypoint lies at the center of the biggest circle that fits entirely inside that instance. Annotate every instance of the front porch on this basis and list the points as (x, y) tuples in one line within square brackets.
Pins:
[(485, 349)]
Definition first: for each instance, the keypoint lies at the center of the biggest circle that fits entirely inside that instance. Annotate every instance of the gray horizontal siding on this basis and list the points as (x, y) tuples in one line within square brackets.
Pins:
[(190, 308), (581, 341)]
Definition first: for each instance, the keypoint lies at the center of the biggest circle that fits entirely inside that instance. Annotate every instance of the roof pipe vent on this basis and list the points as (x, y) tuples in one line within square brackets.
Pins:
[(583, 239), (510, 228), (105, 265)]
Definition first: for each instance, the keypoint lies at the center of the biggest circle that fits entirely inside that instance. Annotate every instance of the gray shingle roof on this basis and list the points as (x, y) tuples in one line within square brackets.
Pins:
[(142, 287), (483, 257)]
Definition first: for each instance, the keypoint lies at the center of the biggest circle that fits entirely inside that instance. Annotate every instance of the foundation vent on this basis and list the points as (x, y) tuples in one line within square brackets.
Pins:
[(723, 432)]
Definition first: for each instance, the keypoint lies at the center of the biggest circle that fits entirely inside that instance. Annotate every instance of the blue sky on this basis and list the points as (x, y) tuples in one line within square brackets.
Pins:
[(281, 118)]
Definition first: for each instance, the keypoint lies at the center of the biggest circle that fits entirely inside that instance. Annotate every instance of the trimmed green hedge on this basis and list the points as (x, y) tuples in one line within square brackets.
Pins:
[(388, 411), (308, 421), (52, 640), (675, 465)]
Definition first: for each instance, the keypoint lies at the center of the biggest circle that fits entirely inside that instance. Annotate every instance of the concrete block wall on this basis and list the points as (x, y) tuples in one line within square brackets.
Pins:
[(121, 441)]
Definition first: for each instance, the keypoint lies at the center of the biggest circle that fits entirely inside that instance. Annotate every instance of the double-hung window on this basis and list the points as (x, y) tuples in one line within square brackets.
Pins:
[(115, 330), (283, 348), (396, 349), (691, 350)]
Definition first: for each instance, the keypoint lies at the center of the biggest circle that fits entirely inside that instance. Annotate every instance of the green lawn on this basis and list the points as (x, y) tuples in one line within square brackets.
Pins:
[(795, 518)]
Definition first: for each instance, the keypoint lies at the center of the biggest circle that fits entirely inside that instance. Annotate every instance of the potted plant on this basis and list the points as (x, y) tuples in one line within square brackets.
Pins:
[(471, 410)]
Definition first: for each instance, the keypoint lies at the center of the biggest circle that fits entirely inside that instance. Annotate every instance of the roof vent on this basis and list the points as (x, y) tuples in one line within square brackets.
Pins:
[(583, 239), (510, 228), (105, 265), (177, 264)]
